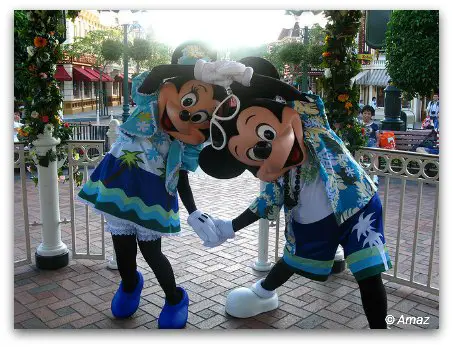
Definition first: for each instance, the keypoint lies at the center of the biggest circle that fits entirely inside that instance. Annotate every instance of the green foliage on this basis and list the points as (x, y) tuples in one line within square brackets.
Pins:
[(274, 57), (341, 99), (112, 50), (140, 51), (160, 55), (92, 45), (37, 50), (412, 51)]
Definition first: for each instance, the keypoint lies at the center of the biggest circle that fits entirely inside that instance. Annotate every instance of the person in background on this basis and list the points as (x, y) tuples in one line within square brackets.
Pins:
[(310, 91), (17, 124), (373, 103), (371, 131), (361, 104), (432, 110)]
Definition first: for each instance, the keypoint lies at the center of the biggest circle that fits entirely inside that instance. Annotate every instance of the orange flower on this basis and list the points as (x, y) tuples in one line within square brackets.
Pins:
[(326, 54), (348, 105), (52, 33), (343, 97), (40, 41)]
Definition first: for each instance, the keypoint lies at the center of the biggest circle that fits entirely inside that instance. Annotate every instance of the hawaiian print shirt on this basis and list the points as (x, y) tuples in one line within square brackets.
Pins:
[(347, 185)]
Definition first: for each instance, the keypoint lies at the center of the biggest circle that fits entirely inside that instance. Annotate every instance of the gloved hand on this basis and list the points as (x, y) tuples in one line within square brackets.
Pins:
[(203, 227), (223, 72), (224, 229)]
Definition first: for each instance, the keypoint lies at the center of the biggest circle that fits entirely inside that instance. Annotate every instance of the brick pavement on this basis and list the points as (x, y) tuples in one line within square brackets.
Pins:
[(78, 296)]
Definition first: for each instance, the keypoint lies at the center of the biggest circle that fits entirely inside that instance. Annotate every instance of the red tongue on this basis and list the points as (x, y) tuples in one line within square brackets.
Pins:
[(295, 155), (167, 122)]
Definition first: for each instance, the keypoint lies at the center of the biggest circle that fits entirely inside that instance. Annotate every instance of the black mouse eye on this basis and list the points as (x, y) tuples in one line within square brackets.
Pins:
[(199, 117), (189, 100), (266, 132)]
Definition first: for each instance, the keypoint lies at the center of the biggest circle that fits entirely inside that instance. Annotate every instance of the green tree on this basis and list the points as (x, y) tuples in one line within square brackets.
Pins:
[(412, 51), (295, 54), (139, 52), (160, 55)]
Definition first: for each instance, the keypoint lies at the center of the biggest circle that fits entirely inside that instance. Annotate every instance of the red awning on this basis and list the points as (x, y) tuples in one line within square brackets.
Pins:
[(120, 78), (96, 73), (80, 74), (61, 74)]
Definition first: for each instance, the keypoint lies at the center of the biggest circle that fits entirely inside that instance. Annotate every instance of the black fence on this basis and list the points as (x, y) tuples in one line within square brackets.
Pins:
[(84, 131)]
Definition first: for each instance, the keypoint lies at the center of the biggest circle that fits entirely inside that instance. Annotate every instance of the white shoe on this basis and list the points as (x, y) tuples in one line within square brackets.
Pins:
[(245, 302)]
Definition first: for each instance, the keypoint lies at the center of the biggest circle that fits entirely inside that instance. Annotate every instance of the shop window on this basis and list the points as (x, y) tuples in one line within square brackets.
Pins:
[(115, 88), (87, 89), (77, 86)]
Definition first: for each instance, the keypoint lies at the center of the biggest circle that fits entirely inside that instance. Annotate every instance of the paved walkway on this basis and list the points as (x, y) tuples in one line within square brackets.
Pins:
[(90, 116), (79, 295)]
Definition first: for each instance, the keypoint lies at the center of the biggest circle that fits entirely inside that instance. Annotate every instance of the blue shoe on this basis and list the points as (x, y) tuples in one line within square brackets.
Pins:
[(175, 316), (124, 304)]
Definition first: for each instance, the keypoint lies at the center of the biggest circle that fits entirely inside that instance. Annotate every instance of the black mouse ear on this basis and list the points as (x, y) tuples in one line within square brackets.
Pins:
[(267, 87), (161, 72), (219, 164)]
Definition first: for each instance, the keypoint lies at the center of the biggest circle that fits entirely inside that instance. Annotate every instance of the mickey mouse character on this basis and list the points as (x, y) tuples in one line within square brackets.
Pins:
[(328, 198), (137, 183)]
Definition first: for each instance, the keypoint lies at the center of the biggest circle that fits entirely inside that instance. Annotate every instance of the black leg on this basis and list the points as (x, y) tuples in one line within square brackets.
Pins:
[(126, 254), (374, 301), (279, 274), (162, 269)]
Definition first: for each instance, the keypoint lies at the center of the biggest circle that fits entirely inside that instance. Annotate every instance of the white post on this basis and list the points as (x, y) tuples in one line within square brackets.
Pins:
[(52, 253), (417, 109), (112, 135), (263, 263)]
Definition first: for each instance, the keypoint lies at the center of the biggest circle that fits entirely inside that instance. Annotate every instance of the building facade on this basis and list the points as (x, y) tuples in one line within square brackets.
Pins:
[(79, 78)]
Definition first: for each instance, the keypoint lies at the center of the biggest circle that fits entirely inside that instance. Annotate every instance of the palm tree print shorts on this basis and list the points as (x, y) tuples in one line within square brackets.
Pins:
[(362, 237)]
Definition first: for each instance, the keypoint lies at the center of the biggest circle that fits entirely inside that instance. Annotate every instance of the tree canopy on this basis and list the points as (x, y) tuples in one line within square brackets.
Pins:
[(92, 44), (140, 51), (412, 51)]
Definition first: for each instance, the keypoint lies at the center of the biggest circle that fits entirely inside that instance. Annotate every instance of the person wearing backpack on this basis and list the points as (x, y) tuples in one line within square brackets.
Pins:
[(432, 110)]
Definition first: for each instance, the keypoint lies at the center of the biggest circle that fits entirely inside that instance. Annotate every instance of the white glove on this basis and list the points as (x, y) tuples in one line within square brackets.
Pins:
[(224, 229), (223, 72), (203, 226)]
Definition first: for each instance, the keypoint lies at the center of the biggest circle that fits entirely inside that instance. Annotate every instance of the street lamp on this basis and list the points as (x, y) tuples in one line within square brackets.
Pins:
[(124, 19)]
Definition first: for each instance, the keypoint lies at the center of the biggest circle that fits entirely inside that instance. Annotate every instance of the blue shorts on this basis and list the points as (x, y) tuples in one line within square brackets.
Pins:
[(362, 237)]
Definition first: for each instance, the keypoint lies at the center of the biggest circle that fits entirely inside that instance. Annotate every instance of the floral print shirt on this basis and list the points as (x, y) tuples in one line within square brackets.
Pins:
[(348, 187)]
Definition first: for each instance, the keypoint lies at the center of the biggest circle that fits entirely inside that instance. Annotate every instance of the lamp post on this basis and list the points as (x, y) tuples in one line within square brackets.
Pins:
[(124, 19), (125, 77)]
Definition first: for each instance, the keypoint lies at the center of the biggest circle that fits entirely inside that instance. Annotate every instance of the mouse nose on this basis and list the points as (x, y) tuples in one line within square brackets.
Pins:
[(184, 115), (262, 150)]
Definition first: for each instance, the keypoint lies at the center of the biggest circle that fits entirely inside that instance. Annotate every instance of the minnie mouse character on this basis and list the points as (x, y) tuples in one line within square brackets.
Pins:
[(328, 198), (135, 186)]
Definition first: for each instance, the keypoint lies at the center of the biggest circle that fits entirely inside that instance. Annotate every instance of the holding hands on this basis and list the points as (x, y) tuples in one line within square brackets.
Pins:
[(212, 231)]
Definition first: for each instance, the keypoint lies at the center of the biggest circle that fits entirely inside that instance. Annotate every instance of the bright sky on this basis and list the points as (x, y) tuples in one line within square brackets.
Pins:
[(221, 28)]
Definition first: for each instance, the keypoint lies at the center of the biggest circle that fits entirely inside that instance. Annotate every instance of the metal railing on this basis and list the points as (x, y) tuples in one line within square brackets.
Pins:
[(19, 163), (83, 131), (412, 168), (90, 154)]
